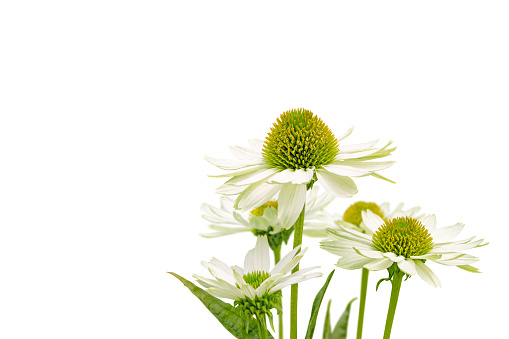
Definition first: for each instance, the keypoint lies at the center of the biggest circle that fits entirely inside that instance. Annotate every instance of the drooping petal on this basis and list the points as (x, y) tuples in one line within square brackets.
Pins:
[(426, 274), (337, 185), (394, 257), (407, 266), (256, 195), (378, 264), (290, 203)]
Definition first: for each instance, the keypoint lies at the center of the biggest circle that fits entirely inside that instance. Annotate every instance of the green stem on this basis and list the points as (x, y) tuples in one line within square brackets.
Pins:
[(396, 286), (297, 240), (362, 305), (262, 328), (277, 257)]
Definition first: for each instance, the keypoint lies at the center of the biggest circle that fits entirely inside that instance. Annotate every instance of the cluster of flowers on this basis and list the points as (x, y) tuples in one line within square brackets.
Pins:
[(272, 191)]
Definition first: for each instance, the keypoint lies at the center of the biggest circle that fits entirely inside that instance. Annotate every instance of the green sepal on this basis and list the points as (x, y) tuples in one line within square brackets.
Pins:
[(393, 269), (316, 307), (234, 322), (342, 324), (327, 330)]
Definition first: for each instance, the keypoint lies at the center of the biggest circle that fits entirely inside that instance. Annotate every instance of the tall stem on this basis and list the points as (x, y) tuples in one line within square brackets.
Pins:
[(277, 257), (297, 240), (362, 305), (396, 286)]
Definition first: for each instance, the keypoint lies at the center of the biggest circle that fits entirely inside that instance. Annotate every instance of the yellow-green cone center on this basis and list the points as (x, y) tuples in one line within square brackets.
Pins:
[(299, 139), (403, 236), (353, 214), (256, 278), (258, 212)]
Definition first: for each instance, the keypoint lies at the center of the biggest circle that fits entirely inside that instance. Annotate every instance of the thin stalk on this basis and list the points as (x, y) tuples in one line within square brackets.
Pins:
[(277, 257), (362, 305), (396, 286), (262, 328), (297, 240)]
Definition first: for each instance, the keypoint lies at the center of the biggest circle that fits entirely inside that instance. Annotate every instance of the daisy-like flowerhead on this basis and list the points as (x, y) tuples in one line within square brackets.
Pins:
[(256, 288), (299, 150), (352, 217), (262, 220), (402, 243)]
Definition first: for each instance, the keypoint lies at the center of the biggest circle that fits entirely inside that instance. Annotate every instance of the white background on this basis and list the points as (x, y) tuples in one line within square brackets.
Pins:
[(108, 108)]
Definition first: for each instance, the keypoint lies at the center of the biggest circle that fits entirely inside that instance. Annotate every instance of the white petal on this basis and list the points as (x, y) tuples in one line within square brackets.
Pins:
[(233, 164), (394, 257), (262, 173), (357, 168), (369, 253), (358, 147), (371, 220), (295, 280), (346, 170), (353, 262), (337, 185), (248, 291), (284, 261), (426, 274), (430, 222), (256, 195), (244, 153), (268, 284), (262, 254), (378, 264), (447, 233), (291, 201), (300, 176), (407, 266), (230, 190), (347, 133)]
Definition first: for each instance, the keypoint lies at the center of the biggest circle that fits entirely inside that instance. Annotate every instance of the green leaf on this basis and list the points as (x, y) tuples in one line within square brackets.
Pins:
[(327, 331), (316, 307), (225, 313), (342, 324)]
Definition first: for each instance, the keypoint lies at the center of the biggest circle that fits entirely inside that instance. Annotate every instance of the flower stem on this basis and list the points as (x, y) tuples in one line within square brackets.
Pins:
[(297, 240), (277, 257), (262, 328), (362, 305), (396, 286)]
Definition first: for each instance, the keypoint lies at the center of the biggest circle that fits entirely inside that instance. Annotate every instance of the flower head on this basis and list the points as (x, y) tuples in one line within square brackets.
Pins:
[(403, 243), (263, 220), (352, 217), (298, 151), (255, 287)]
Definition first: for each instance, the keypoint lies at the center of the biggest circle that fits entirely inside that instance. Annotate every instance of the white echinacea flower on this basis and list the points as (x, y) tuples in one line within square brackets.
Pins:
[(404, 243), (225, 220), (299, 150), (352, 217), (255, 285)]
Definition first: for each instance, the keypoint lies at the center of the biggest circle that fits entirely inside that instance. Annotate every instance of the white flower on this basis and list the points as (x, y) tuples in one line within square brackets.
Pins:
[(404, 241), (256, 280), (323, 220), (299, 150), (262, 220)]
